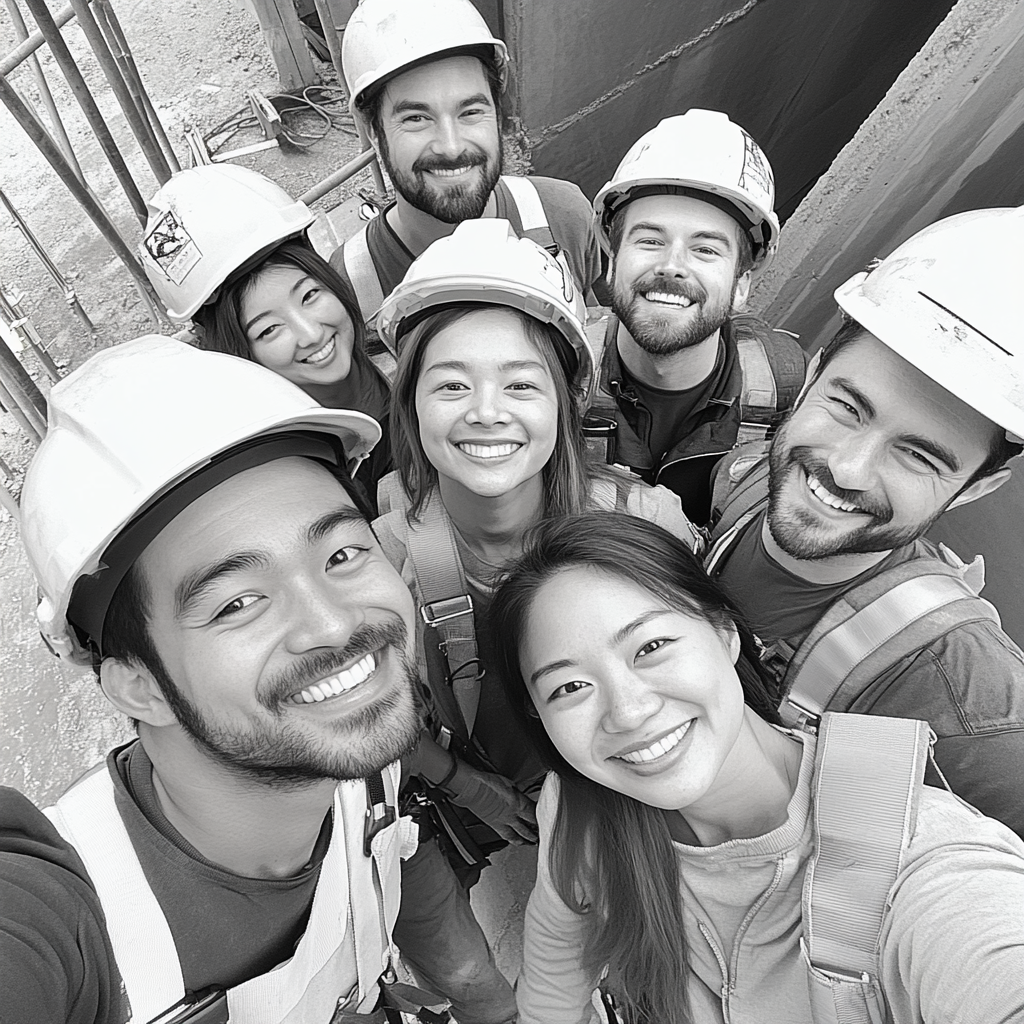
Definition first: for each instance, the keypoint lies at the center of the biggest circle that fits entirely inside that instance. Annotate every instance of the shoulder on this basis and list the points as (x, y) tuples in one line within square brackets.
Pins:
[(565, 194)]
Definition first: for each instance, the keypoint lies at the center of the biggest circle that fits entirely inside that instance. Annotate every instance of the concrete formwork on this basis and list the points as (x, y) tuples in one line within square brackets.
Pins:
[(947, 137)]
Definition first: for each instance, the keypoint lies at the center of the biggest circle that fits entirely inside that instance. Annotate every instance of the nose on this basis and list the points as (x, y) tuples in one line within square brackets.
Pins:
[(319, 616), (629, 704), (487, 406), (447, 139), (673, 261), (854, 462), (308, 330)]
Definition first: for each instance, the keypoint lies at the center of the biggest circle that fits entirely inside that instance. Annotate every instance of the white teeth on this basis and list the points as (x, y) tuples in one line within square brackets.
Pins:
[(448, 172), (340, 683), (671, 300), (827, 497), (659, 749), (321, 354), (488, 451)]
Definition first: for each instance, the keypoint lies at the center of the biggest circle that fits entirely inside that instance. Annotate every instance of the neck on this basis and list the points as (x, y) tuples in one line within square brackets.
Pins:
[(493, 527), (752, 791), (826, 571), (671, 371), (254, 829), (417, 229)]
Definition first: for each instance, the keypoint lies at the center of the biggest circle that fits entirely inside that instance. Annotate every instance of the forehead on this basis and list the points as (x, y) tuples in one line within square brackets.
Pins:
[(449, 80), (264, 508), (271, 283), (679, 215), (907, 400), (482, 337)]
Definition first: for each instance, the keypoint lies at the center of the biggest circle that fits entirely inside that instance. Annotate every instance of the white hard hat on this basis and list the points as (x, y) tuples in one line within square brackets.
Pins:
[(702, 151), (384, 36), (205, 223), (944, 302), (484, 261), (124, 430)]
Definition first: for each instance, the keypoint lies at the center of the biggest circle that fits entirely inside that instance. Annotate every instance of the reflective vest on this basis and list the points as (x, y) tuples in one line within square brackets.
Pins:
[(871, 627), (351, 918)]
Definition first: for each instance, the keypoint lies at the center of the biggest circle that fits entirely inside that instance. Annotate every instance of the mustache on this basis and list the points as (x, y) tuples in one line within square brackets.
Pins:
[(687, 289), (818, 468), (442, 163), (317, 665)]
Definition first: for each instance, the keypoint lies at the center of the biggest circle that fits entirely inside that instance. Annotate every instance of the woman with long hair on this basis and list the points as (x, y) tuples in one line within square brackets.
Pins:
[(711, 865), (227, 249), (493, 365)]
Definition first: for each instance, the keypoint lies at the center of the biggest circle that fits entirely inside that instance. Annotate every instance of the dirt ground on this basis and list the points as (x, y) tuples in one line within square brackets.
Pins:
[(196, 60)]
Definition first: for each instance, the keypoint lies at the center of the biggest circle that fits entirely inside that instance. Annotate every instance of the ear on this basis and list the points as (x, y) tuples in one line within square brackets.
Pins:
[(731, 639), (741, 291), (986, 485), (609, 274), (132, 690)]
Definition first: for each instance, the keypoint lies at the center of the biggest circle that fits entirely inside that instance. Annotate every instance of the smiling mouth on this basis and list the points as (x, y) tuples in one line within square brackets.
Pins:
[(337, 684), (450, 172), (826, 497), (488, 451), (668, 299), (658, 749), (322, 354)]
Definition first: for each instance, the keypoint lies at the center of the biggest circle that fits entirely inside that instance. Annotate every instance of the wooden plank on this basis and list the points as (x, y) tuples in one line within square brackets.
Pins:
[(282, 30)]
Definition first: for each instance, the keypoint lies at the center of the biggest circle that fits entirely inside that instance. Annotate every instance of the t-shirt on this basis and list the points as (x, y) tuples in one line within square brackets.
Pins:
[(570, 218)]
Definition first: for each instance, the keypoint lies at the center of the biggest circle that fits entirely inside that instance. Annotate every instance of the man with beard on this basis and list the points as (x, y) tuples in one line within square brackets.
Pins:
[(426, 77), (198, 540), (687, 219), (914, 408)]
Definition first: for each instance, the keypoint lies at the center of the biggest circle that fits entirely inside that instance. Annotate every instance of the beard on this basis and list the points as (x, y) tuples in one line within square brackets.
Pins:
[(661, 334), (275, 751), (802, 535), (453, 204)]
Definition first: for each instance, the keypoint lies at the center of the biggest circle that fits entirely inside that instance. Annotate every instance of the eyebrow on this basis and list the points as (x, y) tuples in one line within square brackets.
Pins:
[(512, 364), (620, 635), (300, 283), (937, 451), (342, 516), (407, 106), (704, 235)]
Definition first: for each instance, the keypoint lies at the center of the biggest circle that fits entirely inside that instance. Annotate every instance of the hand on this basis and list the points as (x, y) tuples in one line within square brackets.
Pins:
[(496, 802)]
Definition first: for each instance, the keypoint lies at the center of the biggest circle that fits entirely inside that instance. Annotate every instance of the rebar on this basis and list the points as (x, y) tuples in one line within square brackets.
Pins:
[(20, 396), (332, 181)]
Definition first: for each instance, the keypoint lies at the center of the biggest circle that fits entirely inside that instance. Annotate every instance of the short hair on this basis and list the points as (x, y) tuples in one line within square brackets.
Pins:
[(221, 319), (745, 253), (1000, 449), (565, 476), (370, 102)]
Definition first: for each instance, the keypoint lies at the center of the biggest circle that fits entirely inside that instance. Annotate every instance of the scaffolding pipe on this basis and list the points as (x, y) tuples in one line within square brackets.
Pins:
[(20, 396), (24, 50), (70, 70), (134, 114), (59, 132), (123, 55), (354, 166), (84, 197)]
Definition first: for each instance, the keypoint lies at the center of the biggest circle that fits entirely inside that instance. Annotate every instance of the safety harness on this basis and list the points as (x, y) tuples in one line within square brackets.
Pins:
[(868, 775), (869, 629), (346, 929)]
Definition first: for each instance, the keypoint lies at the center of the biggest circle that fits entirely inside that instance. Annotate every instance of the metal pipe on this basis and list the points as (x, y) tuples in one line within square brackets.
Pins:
[(332, 181), (141, 129), (70, 70), (364, 141), (84, 197), (22, 394), (331, 35), (59, 132), (18, 321), (107, 19), (24, 50)]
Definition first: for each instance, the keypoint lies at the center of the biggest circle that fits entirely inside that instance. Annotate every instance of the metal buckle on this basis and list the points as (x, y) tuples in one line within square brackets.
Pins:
[(796, 716), (450, 608)]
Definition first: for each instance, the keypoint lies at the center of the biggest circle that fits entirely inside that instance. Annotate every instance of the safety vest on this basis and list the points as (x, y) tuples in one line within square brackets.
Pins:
[(868, 630), (350, 922), (868, 776)]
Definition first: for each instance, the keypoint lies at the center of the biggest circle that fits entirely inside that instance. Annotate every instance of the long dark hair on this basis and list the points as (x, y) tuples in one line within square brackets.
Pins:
[(566, 480), (221, 319), (611, 857)]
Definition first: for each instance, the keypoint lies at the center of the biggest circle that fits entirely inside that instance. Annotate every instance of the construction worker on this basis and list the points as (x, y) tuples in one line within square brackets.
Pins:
[(197, 539), (914, 408), (685, 375), (425, 78), (226, 248), (493, 365)]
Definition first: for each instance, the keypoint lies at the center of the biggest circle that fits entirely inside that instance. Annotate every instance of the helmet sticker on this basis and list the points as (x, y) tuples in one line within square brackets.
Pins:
[(756, 175), (171, 248)]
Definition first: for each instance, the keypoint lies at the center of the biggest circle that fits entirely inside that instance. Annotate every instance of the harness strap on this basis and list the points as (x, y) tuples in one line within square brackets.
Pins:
[(87, 817), (912, 610), (868, 776), (530, 208), (760, 399), (363, 274)]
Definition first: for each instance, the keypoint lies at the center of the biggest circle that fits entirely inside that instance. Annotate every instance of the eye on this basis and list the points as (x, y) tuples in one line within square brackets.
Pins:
[(567, 689), (265, 332), (844, 408), (454, 386), (311, 294), (346, 555), (237, 606), (523, 385), (651, 646), (921, 460)]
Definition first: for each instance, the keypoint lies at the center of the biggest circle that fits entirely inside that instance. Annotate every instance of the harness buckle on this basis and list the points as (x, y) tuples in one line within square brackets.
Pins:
[(449, 608), (798, 716)]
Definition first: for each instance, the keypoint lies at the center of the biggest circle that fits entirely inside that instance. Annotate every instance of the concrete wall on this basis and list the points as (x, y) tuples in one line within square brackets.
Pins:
[(800, 75), (947, 137)]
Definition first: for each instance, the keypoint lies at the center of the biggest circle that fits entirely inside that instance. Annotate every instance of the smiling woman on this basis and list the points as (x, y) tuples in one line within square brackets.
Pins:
[(686, 838)]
